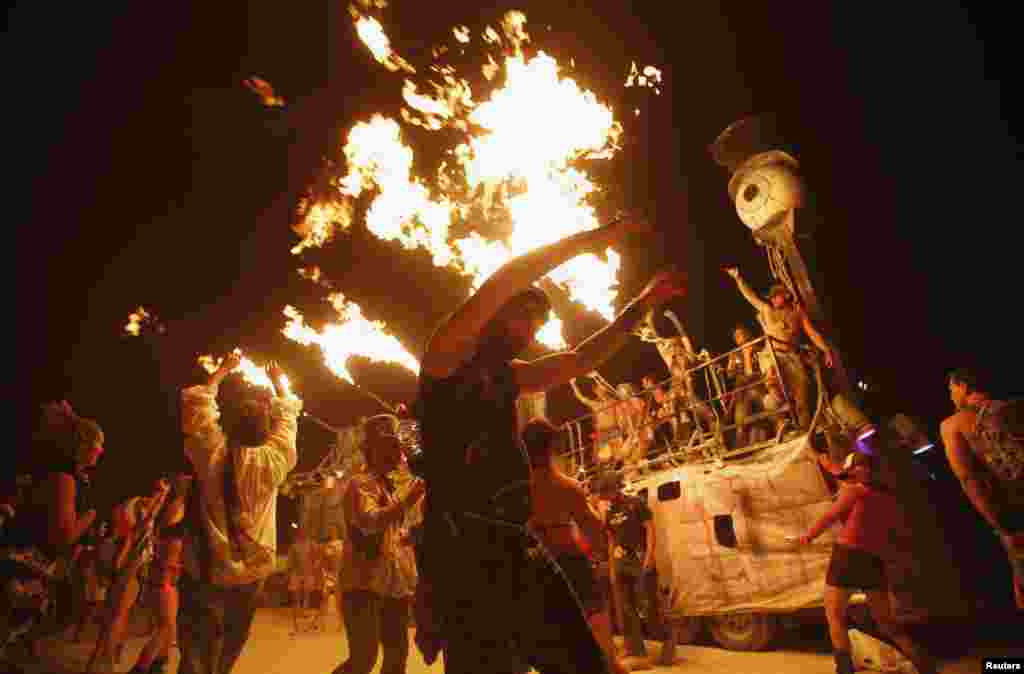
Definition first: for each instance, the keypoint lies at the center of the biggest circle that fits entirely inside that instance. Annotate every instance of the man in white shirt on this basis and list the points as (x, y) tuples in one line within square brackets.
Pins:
[(234, 543)]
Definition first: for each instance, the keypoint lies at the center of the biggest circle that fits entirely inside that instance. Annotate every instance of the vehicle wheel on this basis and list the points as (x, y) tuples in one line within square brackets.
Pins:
[(688, 629), (744, 631)]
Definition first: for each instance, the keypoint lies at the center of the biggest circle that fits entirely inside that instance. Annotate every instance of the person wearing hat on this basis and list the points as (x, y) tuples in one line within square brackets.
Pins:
[(873, 518), (784, 321)]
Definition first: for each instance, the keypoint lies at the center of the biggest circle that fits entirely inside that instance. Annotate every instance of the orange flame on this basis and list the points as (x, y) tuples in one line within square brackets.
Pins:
[(516, 162), (250, 371), (351, 335), (135, 321)]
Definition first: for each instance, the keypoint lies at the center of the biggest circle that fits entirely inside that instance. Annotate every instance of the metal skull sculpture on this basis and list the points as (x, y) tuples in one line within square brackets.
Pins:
[(765, 188)]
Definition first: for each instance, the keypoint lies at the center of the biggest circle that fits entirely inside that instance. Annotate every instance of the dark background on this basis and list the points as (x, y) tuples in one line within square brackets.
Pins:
[(143, 173)]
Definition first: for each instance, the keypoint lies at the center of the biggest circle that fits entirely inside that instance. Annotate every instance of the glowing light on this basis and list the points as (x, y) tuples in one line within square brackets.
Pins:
[(352, 335), (135, 321), (926, 448), (372, 35), (250, 371), (515, 167)]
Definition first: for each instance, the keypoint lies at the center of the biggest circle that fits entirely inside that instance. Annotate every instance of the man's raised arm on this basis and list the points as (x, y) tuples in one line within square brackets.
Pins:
[(745, 290), (557, 369), (455, 341)]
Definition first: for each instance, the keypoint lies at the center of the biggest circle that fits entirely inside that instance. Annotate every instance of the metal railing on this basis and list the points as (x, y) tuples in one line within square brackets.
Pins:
[(706, 412)]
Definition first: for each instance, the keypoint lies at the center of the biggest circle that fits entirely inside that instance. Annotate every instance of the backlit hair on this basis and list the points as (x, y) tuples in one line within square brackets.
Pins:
[(540, 438)]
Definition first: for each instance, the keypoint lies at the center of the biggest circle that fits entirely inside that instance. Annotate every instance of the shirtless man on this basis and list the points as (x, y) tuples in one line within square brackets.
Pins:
[(629, 413), (784, 321), (992, 474), (660, 414), (560, 511), (606, 425)]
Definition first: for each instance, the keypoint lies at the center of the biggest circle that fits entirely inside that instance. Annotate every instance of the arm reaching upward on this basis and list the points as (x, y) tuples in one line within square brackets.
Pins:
[(455, 340), (554, 370), (747, 292), (592, 403), (816, 338)]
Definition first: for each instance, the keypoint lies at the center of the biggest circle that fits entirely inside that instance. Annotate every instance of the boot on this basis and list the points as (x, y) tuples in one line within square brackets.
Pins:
[(844, 663)]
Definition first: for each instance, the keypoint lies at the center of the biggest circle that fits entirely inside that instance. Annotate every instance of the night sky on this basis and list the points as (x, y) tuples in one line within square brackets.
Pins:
[(145, 174)]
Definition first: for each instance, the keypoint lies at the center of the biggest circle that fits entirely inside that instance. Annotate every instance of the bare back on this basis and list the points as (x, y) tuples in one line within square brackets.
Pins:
[(555, 497)]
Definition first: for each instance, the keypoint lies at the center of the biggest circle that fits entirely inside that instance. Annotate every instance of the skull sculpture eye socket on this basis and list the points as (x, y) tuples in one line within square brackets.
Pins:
[(750, 192)]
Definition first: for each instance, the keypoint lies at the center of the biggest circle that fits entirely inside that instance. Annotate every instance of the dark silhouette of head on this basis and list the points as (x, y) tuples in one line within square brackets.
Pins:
[(541, 440), (245, 413), (514, 327), (381, 447)]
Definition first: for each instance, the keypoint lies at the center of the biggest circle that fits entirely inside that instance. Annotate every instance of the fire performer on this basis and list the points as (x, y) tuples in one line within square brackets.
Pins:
[(232, 548), (474, 603)]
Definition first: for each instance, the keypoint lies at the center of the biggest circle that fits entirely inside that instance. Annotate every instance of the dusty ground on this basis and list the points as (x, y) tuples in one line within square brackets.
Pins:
[(275, 649)]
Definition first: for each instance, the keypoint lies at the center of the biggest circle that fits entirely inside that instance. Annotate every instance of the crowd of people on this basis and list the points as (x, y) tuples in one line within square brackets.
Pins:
[(710, 403), (515, 564)]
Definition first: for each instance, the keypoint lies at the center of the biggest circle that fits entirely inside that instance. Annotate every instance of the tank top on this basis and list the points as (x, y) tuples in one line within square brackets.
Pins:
[(472, 457)]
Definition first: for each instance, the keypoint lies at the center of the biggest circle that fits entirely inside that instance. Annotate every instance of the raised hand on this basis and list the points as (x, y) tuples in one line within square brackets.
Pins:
[(663, 287), (275, 373), (264, 90), (634, 223), (274, 370), (231, 362)]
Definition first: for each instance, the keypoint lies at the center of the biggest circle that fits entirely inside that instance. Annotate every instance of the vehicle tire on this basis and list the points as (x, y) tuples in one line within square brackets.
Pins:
[(744, 631), (688, 629)]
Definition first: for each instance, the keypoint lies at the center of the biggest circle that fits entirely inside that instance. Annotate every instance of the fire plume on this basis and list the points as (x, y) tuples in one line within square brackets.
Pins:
[(516, 165), (251, 372), (351, 335)]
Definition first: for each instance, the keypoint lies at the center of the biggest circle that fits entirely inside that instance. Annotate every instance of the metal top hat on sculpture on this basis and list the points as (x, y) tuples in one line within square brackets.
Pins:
[(767, 190)]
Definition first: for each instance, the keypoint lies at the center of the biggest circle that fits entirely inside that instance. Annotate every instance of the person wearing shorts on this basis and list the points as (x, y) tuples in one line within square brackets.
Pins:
[(872, 513), (561, 554)]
